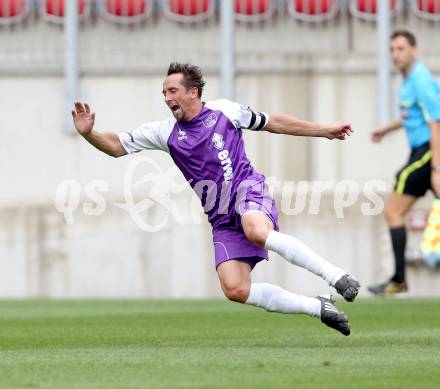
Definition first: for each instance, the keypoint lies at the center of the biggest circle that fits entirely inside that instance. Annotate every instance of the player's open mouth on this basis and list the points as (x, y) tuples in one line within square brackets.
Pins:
[(174, 108)]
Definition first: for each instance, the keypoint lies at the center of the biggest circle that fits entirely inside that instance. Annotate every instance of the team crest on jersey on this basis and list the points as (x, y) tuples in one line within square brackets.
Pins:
[(218, 141), (210, 120), (181, 135)]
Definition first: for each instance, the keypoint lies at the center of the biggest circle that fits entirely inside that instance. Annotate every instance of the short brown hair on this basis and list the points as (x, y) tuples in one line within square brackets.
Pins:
[(192, 75), (409, 36)]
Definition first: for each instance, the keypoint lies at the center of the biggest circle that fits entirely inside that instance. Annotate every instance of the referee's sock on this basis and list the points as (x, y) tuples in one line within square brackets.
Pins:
[(398, 240), (275, 299), (299, 254)]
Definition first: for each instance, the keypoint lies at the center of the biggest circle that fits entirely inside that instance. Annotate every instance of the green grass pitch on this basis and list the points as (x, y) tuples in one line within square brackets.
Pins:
[(215, 344)]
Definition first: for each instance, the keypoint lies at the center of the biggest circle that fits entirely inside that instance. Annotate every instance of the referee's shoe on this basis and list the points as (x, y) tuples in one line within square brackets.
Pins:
[(389, 288), (331, 316)]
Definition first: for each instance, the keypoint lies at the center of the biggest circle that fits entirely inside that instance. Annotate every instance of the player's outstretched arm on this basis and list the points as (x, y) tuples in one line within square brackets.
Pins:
[(290, 125), (107, 142)]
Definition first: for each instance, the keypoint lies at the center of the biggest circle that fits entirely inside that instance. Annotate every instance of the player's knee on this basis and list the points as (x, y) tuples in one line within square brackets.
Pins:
[(257, 235), (238, 293)]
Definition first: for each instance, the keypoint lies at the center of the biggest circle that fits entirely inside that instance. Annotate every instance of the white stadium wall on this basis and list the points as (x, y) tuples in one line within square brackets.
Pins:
[(108, 255)]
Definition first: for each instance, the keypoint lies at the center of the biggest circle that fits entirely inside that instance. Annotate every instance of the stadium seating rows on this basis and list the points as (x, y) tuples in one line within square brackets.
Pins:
[(132, 11)]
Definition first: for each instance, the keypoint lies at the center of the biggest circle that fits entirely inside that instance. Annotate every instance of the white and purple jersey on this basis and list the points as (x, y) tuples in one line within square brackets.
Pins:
[(207, 149)]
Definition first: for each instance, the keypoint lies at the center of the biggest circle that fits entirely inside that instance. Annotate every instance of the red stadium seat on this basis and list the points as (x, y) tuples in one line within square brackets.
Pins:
[(312, 7), (430, 6), (54, 10), (12, 11), (313, 10), (251, 7), (427, 9), (367, 9), (126, 11), (188, 10), (254, 10), (191, 7)]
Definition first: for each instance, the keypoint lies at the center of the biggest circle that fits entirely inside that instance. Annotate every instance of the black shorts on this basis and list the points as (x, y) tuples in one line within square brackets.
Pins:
[(414, 178)]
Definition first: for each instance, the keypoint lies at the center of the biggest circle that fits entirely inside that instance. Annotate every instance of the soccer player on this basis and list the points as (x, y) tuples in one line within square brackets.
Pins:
[(420, 116), (205, 142)]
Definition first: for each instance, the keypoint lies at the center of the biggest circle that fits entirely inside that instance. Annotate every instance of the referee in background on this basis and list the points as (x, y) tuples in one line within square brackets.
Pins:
[(420, 117)]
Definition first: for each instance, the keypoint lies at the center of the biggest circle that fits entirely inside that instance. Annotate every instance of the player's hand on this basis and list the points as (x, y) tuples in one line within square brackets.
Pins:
[(435, 182), (377, 135), (338, 130), (83, 118)]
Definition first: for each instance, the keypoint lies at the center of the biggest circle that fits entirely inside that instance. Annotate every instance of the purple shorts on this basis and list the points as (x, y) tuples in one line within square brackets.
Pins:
[(229, 239)]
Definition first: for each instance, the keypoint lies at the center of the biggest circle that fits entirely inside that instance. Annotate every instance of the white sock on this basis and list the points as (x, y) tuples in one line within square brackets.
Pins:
[(299, 254), (276, 299)]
